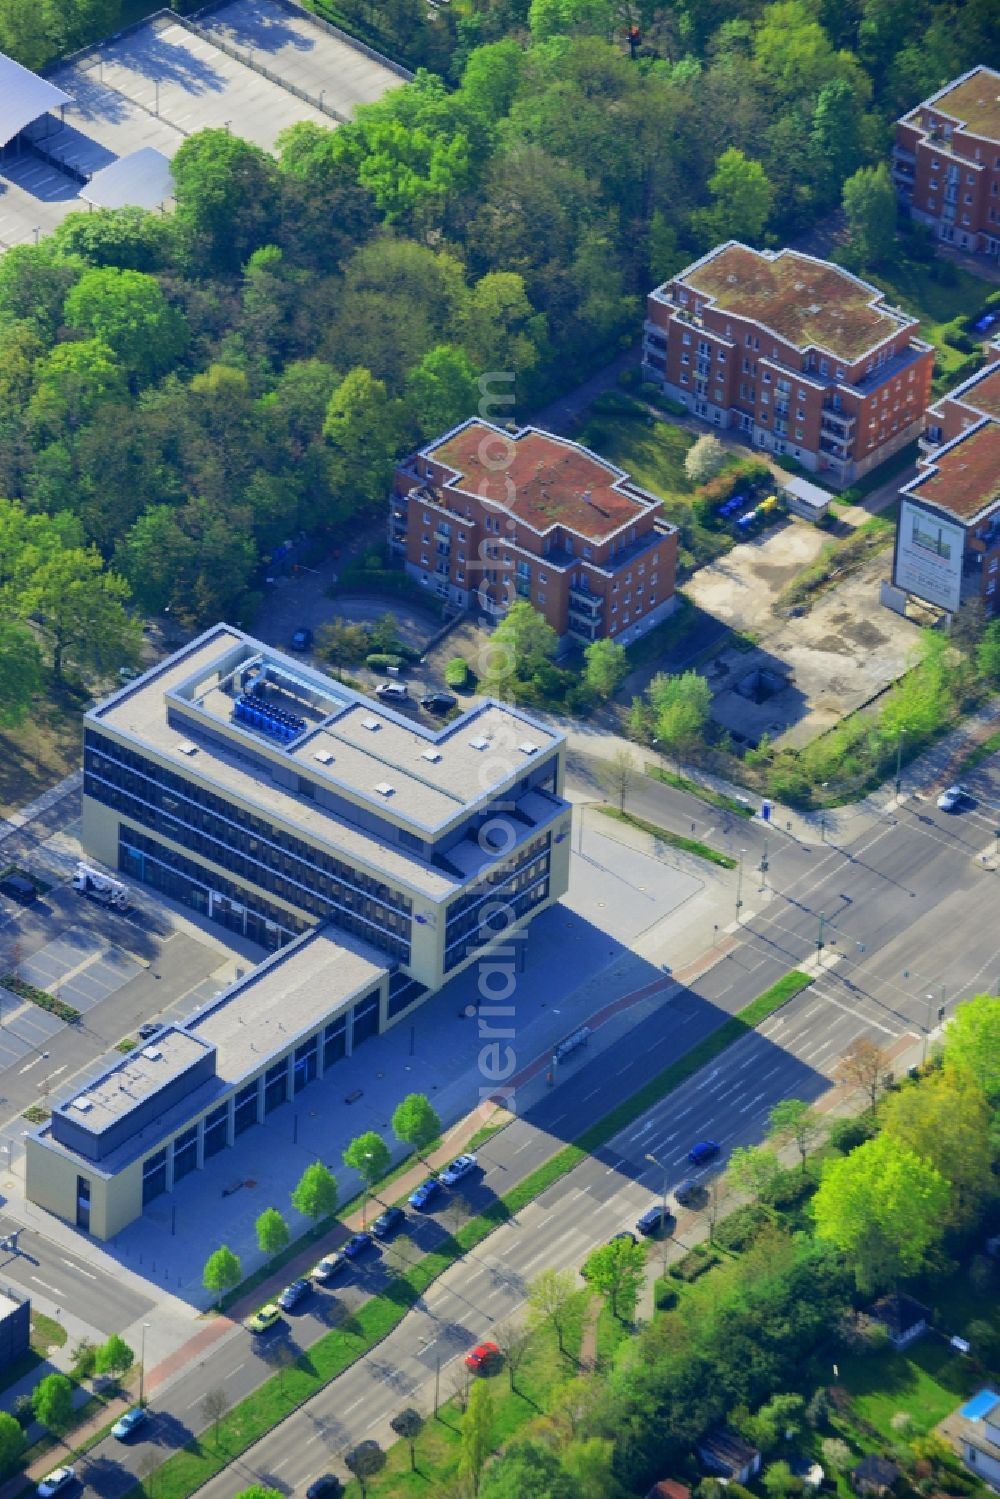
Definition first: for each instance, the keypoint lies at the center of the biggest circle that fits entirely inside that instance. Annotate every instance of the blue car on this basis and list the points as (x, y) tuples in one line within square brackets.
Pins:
[(423, 1194), (703, 1152), (357, 1244), (124, 1427)]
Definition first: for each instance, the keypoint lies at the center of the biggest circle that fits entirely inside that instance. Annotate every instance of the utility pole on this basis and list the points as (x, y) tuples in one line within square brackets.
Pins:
[(764, 866), (663, 1208), (739, 885), (820, 944), (142, 1364)]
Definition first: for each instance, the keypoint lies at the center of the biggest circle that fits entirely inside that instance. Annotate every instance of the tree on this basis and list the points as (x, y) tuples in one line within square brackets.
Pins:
[(128, 311), (884, 1208), (549, 18), (222, 1271), (836, 135), (513, 1340), (680, 707), (315, 1196), (988, 653), (780, 1482), (589, 1462), (836, 1453), (704, 458), (52, 1402), (364, 1461), (794, 1119), (416, 1123), (363, 427), (79, 607), (258, 1491), (616, 1271), (12, 1441), (865, 1067), (72, 382), (368, 1155), (20, 672), (477, 1432), (520, 646), (213, 1407), (343, 642), (24, 34), (83, 1360), (114, 1357), (272, 1232), (490, 79), (869, 201), (498, 327), (946, 1120), (408, 1425), (527, 1470), (619, 775), (131, 238), (743, 196), (550, 1295), (227, 193), (752, 1169), (605, 667), (441, 390), (972, 1043)]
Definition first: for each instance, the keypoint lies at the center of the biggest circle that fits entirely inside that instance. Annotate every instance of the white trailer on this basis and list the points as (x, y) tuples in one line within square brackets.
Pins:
[(101, 887)]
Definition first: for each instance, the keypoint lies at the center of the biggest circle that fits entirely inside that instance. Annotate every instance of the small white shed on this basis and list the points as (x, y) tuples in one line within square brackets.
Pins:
[(805, 499)]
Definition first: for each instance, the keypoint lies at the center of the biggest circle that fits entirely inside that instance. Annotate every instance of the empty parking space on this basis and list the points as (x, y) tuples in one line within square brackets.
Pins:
[(34, 199), (80, 968), (24, 1029), (302, 53)]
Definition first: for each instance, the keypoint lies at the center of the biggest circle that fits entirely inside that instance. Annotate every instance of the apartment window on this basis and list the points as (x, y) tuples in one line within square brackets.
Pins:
[(800, 415), (425, 539), (763, 416), (965, 219), (746, 366), (614, 606), (720, 355), (639, 588), (718, 394), (970, 177), (686, 340), (968, 198), (652, 599), (766, 377), (685, 359), (685, 380), (423, 560), (932, 201), (935, 165), (614, 588), (652, 580), (802, 395), (798, 434), (840, 373), (748, 341), (543, 577), (462, 536), (764, 398), (626, 618), (459, 577), (824, 366), (934, 183), (461, 556), (588, 553), (427, 519), (541, 597), (642, 568)]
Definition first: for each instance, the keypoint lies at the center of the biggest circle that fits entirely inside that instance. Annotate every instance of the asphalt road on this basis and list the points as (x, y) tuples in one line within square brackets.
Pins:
[(903, 905)]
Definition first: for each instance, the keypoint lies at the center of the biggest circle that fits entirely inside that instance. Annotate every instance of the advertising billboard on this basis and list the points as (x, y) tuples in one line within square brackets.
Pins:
[(929, 554)]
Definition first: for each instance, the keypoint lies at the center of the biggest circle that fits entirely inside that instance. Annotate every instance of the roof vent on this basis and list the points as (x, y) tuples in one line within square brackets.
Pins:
[(384, 789), (527, 748), (187, 748), (84, 1105), (371, 724), (479, 744), (432, 755), (324, 757), (152, 1052)]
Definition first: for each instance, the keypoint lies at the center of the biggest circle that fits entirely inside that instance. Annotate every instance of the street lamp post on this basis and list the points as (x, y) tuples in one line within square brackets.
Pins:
[(764, 866), (739, 885), (142, 1363), (820, 944), (899, 760), (663, 1208)]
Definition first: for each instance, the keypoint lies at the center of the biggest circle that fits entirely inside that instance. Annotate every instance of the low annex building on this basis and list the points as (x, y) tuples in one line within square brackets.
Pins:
[(946, 161), (948, 532), (161, 1111), (484, 517), (798, 354)]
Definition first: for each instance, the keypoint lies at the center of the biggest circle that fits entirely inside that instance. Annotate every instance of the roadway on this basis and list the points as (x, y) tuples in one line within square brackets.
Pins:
[(902, 905)]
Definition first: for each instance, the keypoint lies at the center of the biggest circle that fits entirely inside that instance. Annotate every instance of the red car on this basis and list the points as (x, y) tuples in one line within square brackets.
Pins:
[(482, 1357)]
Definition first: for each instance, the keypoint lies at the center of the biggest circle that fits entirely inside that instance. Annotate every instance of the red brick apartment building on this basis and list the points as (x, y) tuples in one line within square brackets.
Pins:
[(948, 534), (799, 355), (484, 517), (946, 161)]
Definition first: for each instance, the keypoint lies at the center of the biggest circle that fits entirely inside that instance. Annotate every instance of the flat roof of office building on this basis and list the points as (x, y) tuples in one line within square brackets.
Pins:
[(809, 303), (545, 480), (963, 478), (133, 1078), (291, 993), (378, 760)]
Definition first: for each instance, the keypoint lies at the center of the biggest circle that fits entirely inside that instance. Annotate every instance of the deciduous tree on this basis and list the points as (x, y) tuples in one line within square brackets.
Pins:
[(680, 707), (869, 200), (752, 1169), (618, 775), (52, 1402), (742, 197), (605, 667), (222, 1271), (616, 1271), (127, 310), (213, 1407), (477, 1432), (704, 458), (946, 1121), (272, 1231), (11, 1442), (527, 1470), (315, 1195), (972, 1043), (368, 1155), (114, 1357), (416, 1122), (550, 1295), (20, 672), (794, 1119), (864, 1066)]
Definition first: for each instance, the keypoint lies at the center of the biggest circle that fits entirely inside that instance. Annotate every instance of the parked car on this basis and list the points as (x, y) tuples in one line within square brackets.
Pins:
[(952, 799), (357, 1244), (149, 1029), (456, 1169), (689, 1191), (127, 1424), (293, 1294), (421, 1196), (264, 1318), (482, 1358), (703, 1152), (392, 692), (327, 1486), (388, 1223), (655, 1220), (329, 1266), (18, 887), (302, 640), (439, 702), (55, 1482)]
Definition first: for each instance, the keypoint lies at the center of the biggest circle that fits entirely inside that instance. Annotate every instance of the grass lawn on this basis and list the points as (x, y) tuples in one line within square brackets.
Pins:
[(927, 1381), (910, 285), (676, 840), (40, 752)]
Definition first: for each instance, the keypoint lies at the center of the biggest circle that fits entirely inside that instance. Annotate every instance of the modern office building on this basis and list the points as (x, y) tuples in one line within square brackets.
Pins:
[(15, 1327), (798, 354), (484, 517), (270, 798), (946, 161)]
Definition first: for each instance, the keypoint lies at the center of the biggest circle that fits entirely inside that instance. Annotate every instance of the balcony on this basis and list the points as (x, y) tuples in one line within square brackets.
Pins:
[(584, 601), (839, 424), (901, 154), (836, 450), (930, 440)]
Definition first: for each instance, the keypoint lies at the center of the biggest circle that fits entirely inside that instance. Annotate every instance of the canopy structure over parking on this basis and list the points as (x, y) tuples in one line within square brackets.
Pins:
[(24, 97), (142, 179)]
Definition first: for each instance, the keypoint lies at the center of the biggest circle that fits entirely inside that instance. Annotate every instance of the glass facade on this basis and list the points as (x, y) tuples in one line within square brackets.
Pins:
[(266, 857), (185, 1153), (216, 1130), (365, 1020), (154, 1176), (246, 1108), (515, 885), (335, 1041), (276, 1086)]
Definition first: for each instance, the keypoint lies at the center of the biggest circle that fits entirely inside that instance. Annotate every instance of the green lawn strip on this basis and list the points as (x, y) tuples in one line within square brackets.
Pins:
[(980, 752), (46, 1332), (40, 997), (676, 840), (703, 793), (610, 1334), (489, 1129), (335, 1351)]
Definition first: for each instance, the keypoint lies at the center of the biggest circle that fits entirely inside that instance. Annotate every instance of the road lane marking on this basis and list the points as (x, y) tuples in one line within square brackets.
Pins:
[(45, 1285), (747, 1107), (234, 1372), (33, 1063), (77, 1269)]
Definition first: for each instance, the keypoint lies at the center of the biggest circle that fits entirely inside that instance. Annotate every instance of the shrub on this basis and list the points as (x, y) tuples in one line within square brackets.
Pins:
[(738, 1230), (790, 1189), (847, 1134), (694, 1263), (381, 661), (665, 1297), (790, 464), (745, 474), (456, 673)]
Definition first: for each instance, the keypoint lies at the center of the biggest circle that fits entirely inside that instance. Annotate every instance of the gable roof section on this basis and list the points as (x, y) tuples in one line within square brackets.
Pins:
[(24, 97)]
